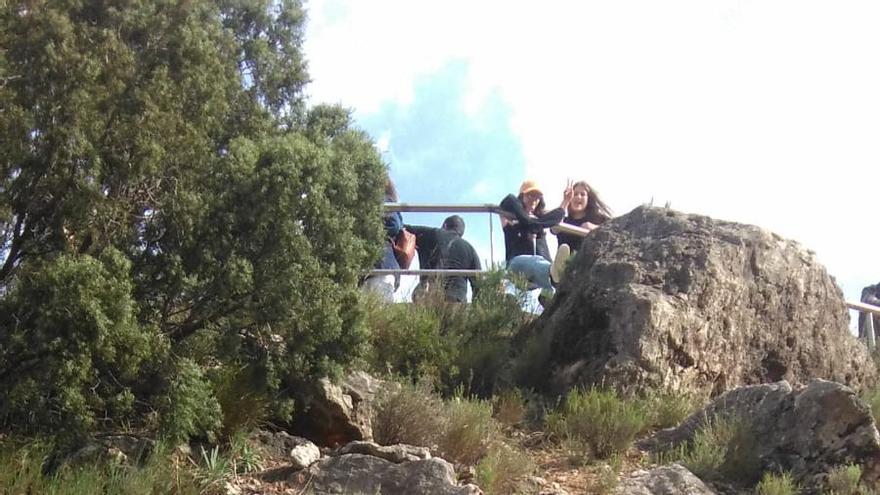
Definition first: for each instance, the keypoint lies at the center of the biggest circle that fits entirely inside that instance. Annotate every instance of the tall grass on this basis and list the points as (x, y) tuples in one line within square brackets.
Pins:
[(776, 484)]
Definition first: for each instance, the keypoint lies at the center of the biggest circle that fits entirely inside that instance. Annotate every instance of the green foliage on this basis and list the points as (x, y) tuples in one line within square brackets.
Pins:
[(411, 414), (72, 350), (597, 422), (668, 409), (723, 449), (872, 397), (21, 471), (503, 470), (469, 430), (163, 186), (846, 480), (189, 407), (776, 484), (452, 345)]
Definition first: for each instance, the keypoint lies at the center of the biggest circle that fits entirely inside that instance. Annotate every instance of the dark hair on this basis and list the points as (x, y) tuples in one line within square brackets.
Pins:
[(390, 191), (455, 224), (539, 210), (595, 205)]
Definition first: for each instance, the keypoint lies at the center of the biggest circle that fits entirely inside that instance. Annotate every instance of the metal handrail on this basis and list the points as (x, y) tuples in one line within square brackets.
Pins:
[(461, 208)]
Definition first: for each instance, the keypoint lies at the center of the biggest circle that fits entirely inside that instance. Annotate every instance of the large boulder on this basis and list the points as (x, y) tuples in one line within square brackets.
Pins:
[(808, 432), (662, 299)]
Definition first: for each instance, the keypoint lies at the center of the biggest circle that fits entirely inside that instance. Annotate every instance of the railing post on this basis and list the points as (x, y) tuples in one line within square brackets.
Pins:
[(869, 330)]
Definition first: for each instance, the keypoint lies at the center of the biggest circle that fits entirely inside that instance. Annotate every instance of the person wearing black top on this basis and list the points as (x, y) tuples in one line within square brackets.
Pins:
[(587, 211), (444, 248), (525, 227)]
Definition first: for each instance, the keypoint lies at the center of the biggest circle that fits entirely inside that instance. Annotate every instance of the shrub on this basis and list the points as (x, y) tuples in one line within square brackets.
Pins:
[(776, 484), (189, 407), (597, 421), (723, 449), (668, 409), (844, 480), (469, 430), (452, 345), (509, 407), (412, 414), (872, 398), (503, 470)]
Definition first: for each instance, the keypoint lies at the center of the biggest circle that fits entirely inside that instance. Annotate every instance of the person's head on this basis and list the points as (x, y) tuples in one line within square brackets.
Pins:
[(390, 191), (584, 200), (455, 224), (531, 197)]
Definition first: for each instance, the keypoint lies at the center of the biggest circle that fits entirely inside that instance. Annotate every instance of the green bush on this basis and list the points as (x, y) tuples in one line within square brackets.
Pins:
[(668, 409), (469, 430), (722, 449), (845, 480), (411, 414), (189, 407), (451, 345), (776, 484), (22, 471), (503, 470), (597, 422)]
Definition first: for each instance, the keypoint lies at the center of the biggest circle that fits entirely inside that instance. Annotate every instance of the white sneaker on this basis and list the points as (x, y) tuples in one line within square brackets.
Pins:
[(558, 266)]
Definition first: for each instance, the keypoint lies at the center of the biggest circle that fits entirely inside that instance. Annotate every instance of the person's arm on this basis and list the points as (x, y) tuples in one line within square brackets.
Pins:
[(418, 229), (475, 265)]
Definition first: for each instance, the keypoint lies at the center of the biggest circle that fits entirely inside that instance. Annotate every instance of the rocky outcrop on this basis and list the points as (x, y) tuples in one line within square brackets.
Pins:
[(674, 479), (341, 412), (343, 473), (658, 298), (807, 432)]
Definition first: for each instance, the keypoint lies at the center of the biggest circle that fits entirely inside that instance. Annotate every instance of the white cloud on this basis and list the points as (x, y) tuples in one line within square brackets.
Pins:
[(760, 112)]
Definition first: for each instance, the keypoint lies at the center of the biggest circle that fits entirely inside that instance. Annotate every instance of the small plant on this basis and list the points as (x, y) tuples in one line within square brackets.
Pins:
[(597, 420), (724, 448), (844, 480), (214, 469), (244, 456), (776, 484), (872, 397), (509, 407), (503, 469), (469, 430), (668, 409), (412, 414)]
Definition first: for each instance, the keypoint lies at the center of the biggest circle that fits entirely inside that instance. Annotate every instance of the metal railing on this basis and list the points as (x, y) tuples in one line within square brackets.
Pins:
[(868, 324), (461, 208)]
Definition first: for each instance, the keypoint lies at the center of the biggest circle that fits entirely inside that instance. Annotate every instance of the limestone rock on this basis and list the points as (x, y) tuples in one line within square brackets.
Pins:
[(341, 412), (392, 453), (358, 473), (658, 298), (674, 479), (807, 432)]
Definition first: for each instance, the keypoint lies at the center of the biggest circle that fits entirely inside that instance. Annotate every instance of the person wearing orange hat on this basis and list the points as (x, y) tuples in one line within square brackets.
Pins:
[(525, 225)]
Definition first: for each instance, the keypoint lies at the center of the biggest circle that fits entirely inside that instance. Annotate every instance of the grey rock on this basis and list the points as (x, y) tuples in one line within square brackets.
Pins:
[(341, 412), (302, 456), (358, 473), (661, 299), (392, 453), (673, 479), (807, 432), (300, 451)]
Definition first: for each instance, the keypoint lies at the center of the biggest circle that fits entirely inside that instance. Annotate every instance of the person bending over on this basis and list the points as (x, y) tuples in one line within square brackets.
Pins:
[(445, 249)]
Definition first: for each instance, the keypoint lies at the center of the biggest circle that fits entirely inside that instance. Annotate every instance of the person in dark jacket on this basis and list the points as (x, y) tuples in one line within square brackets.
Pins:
[(587, 211), (444, 248), (385, 285), (525, 242)]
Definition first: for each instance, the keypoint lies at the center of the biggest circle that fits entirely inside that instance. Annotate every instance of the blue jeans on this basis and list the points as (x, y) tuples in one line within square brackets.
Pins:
[(534, 268)]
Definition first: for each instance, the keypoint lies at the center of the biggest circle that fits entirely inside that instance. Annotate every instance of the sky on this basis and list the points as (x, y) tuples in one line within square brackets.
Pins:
[(760, 112)]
